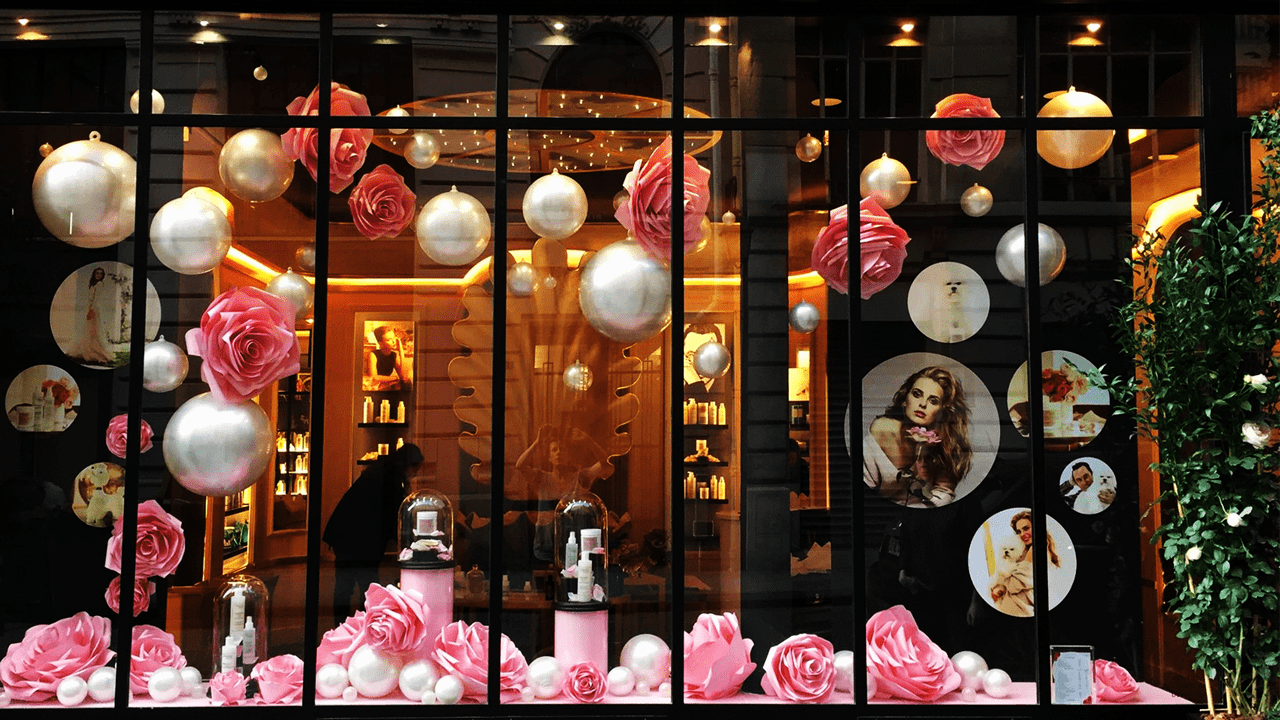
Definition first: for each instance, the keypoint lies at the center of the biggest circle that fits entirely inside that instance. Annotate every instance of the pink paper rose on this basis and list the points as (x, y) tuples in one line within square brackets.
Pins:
[(396, 620), (160, 543), (1112, 683), (279, 679), (381, 204), (347, 146), (882, 245), (716, 658), (586, 683), (152, 649), (463, 650), (647, 212), (974, 148), (801, 669), (227, 688), (118, 437), (48, 654), (340, 643), (247, 341), (904, 661), (142, 592)]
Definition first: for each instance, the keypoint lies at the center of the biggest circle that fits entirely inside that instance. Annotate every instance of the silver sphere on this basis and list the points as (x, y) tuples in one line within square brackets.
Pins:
[(997, 683), (546, 677), (260, 73), (844, 671), (711, 359), (521, 279), (577, 377), (418, 677), (809, 149), (164, 685), (190, 236), (331, 680), (423, 151), (305, 256), (625, 293), (254, 166), (295, 289), (449, 690), (887, 180), (84, 193), (971, 667), (398, 111), (555, 206), (373, 673), (157, 102), (217, 449), (102, 684), (164, 366), (1012, 246), (648, 657), (72, 690), (453, 228), (804, 317), (976, 201)]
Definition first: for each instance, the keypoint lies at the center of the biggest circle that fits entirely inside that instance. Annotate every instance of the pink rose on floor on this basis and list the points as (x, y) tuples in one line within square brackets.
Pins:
[(247, 341), (118, 436), (340, 643), (279, 679), (160, 543), (396, 620), (801, 668), (152, 649), (586, 683), (647, 212), (463, 649), (381, 204), (974, 148), (716, 657), (882, 245), (142, 592), (227, 688), (904, 661), (347, 146), (1112, 683), (48, 654)]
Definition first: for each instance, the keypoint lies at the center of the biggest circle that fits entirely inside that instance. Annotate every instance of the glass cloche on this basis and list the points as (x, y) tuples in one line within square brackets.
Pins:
[(582, 550), (426, 531), (240, 610)]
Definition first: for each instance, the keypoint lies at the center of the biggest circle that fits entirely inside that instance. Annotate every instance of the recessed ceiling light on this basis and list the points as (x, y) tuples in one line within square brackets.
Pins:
[(908, 26), (23, 22), (1094, 26), (558, 25), (714, 27), (381, 25), (204, 23)]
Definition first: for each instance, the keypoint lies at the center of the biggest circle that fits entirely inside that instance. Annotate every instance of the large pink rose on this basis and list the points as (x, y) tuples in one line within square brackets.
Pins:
[(279, 679), (118, 436), (396, 620), (801, 668), (340, 643), (974, 148), (463, 650), (882, 245), (586, 683), (153, 649), (904, 661), (160, 543), (381, 204), (142, 592), (347, 146), (48, 654), (716, 658), (227, 688), (647, 212), (1112, 683), (247, 341)]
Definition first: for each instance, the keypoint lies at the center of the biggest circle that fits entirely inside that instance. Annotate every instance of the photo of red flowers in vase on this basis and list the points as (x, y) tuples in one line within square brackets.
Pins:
[(1073, 411)]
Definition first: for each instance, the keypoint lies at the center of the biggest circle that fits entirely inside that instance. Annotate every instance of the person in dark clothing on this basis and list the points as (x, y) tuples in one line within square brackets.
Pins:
[(364, 522)]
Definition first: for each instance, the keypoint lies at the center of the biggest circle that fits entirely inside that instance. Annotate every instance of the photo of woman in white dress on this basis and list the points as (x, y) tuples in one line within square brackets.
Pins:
[(91, 314)]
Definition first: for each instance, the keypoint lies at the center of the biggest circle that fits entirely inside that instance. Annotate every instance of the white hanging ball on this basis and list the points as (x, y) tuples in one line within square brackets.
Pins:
[(102, 684), (254, 166), (218, 449), (711, 359), (809, 148), (192, 683), (423, 151), (976, 201), (546, 677), (157, 102), (997, 683), (398, 111), (294, 289), (418, 677), (885, 179), (649, 658), (164, 685), (84, 193), (804, 317), (728, 218), (844, 670), (305, 256), (555, 206), (449, 690), (72, 690), (521, 279), (453, 228), (164, 366), (1012, 247), (260, 73), (577, 377), (190, 235), (373, 673), (625, 293), (621, 681), (971, 666), (331, 680)]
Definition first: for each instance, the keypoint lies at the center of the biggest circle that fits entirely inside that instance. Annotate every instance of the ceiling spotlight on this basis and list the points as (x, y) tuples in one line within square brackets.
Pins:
[(908, 26), (23, 22), (204, 23), (558, 25), (381, 25), (1093, 26), (715, 27)]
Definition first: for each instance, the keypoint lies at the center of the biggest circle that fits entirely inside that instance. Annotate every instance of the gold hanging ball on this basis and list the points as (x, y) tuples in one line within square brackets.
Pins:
[(45, 149), (809, 149), (1071, 149), (887, 180)]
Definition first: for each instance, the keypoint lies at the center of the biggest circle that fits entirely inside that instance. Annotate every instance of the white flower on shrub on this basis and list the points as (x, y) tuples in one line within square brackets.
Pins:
[(1257, 382), (1193, 554), (1256, 434)]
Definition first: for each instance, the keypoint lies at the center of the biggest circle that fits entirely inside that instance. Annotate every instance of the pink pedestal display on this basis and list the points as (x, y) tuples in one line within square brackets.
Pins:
[(436, 587), (582, 637)]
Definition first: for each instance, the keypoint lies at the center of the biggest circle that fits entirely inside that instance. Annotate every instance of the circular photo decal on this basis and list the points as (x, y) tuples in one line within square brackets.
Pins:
[(91, 314), (930, 428), (1073, 410), (1087, 485), (948, 302), (99, 494), (42, 398), (1000, 562)]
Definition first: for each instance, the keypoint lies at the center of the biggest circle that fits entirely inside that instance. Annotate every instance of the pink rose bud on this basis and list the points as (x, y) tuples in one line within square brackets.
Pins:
[(142, 591), (160, 543), (800, 669), (117, 435), (279, 680), (1112, 683)]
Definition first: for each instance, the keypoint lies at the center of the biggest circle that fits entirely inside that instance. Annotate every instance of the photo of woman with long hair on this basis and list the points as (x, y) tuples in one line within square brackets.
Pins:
[(1001, 562)]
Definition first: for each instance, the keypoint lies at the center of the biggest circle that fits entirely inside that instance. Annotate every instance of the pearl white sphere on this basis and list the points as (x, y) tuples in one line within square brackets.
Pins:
[(642, 688), (521, 279), (728, 218), (84, 193), (423, 151), (844, 670), (1010, 253), (621, 681), (664, 689), (190, 235), (192, 683), (526, 694), (1069, 149), (649, 658), (804, 317), (428, 698), (349, 694), (295, 289), (809, 148), (555, 206), (969, 695), (577, 377), (254, 166), (164, 366), (449, 690), (331, 680), (972, 668), (997, 683), (976, 201), (625, 293), (373, 673), (164, 685), (453, 228), (102, 684), (885, 179), (398, 111), (546, 677), (157, 102), (46, 148), (217, 449), (711, 359), (418, 677), (72, 690)]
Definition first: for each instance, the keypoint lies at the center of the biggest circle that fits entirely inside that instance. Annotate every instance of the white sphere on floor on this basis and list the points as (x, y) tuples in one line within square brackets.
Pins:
[(649, 657), (428, 698), (418, 677), (997, 683), (192, 683), (350, 694), (72, 690), (969, 695), (102, 684), (971, 667), (621, 681), (527, 694), (164, 685), (546, 677), (372, 672), (331, 680), (844, 671), (449, 690)]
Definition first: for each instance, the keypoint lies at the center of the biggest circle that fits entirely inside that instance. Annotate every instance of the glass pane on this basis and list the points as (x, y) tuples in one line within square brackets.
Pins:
[(58, 61), (1257, 56)]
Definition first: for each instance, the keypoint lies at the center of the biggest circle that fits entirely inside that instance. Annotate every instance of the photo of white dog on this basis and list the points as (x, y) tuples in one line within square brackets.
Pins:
[(948, 302)]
